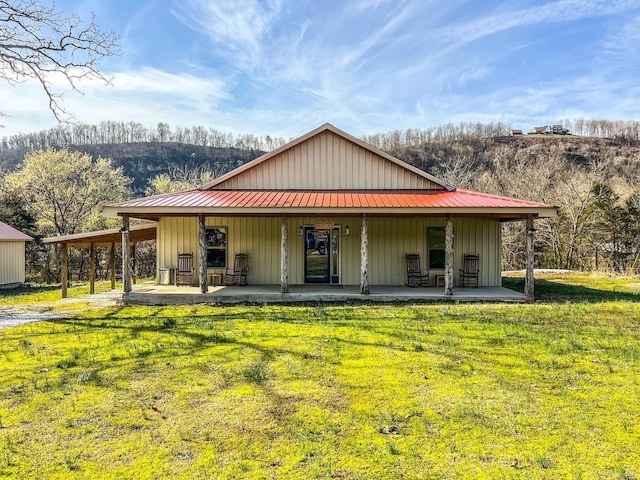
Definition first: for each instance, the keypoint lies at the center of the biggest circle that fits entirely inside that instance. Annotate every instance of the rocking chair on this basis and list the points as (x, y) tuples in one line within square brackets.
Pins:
[(415, 276), (238, 275), (184, 274), (470, 271)]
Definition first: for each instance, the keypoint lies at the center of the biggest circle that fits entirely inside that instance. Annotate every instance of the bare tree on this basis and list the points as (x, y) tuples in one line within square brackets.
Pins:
[(182, 178), (37, 42)]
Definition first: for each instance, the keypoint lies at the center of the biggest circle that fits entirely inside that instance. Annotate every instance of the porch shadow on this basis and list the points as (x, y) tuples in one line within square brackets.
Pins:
[(170, 295), (551, 291)]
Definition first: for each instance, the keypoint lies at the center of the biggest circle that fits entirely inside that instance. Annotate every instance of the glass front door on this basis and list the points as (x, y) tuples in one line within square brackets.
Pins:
[(321, 255)]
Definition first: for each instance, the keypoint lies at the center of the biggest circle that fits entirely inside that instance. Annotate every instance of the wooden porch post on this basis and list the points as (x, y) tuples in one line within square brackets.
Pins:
[(202, 253), (113, 265), (284, 255), (448, 257), (364, 255), (126, 268), (92, 269), (64, 273), (529, 280)]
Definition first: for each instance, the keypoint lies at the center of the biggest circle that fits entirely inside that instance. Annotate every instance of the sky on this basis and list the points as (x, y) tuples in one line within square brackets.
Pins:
[(283, 68)]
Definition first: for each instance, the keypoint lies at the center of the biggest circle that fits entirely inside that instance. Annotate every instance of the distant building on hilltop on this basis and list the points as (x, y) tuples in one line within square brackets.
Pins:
[(549, 130)]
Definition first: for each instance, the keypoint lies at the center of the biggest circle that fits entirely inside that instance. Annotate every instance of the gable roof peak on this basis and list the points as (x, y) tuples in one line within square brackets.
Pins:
[(324, 128)]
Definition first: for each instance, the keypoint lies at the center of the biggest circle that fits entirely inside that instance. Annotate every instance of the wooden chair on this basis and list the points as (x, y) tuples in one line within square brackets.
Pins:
[(470, 271), (237, 276), (184, 273), (415, 276)]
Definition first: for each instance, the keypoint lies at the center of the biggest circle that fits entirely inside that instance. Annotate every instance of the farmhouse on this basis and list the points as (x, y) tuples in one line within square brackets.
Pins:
[(328, 209), (12, 261)]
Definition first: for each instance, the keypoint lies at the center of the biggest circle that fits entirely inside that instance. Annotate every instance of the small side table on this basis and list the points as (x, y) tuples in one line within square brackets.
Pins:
[(215, 279), (439, 278)]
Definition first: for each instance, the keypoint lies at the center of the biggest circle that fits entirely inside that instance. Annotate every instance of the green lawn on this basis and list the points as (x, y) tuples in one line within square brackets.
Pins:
[(388, 391), (48, 296)]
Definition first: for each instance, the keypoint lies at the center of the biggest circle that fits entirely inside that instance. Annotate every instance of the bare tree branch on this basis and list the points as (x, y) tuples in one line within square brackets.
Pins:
[(37, 42)]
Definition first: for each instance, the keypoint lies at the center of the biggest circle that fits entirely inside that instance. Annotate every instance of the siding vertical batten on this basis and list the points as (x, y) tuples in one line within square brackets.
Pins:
[(529, 278), (326, 162), (126, 267), (202, 253), (64, 274), (284, 255), (448, 257), (364, 256)]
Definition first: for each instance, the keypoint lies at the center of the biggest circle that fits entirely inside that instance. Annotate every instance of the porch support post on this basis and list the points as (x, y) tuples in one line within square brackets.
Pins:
[(202, 253), (64, 270), (529, 281), (112, 261), (364, 255), (126, 268), (284, 255), (92, 269), (448, 257)]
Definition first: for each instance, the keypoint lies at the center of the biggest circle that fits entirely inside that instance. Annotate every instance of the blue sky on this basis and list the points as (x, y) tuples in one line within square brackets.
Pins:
[(283, 67)]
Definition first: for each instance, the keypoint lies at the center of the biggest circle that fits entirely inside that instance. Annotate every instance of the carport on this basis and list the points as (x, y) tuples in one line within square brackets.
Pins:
[(102, 238)]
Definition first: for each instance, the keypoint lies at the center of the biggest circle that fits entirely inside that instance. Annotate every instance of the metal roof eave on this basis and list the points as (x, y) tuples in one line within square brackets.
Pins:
[(506, 212)]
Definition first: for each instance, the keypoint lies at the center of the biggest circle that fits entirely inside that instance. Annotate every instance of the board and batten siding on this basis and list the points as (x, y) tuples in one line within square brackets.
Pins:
[(327, 162), (389, 240), (12, 262)]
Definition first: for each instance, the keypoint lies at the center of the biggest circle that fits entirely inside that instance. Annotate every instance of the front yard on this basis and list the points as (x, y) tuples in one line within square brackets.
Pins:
[(412, 391)]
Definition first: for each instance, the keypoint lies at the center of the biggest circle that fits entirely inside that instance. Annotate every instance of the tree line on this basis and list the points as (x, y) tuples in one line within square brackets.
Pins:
[(113, 132), (117, 132), (623, 131)]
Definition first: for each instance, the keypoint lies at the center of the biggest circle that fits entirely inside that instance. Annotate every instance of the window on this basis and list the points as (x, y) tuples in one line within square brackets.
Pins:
[(435, 242), (216, 247)]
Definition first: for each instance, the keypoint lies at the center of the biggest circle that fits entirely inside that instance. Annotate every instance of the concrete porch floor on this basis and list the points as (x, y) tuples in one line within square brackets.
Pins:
[(172, 295)]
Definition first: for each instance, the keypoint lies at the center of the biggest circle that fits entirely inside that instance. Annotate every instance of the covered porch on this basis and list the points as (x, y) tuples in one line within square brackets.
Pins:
[(172, 295), (110, 238)]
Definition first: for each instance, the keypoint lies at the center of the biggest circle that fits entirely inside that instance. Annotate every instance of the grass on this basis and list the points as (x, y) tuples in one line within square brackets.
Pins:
[(572, 287), (412, 391), (47, 296)]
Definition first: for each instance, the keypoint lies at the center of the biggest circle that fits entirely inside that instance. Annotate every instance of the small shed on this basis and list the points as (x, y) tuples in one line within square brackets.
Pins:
[(12, 257)]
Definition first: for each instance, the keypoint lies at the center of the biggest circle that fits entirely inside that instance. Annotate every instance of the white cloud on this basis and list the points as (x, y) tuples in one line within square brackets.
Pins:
[(552, 12), (146, 95), (237, 31)]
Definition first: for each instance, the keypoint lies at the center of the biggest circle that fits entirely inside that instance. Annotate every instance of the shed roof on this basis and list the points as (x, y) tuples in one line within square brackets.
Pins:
[(8, 233), (104, 238)]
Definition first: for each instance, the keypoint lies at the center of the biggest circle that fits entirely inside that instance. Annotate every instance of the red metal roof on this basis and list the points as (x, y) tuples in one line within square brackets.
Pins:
[(256, 199), (7, 232)]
